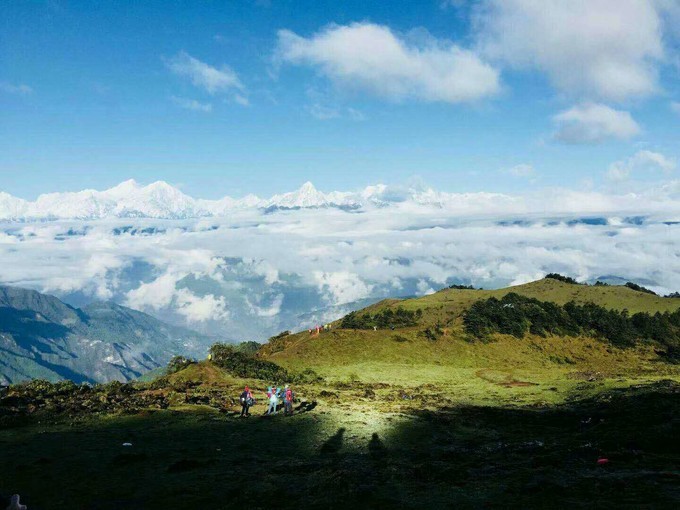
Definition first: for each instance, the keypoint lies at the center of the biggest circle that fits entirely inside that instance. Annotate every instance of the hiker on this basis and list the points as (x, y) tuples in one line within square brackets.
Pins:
[(247, 400), (14, 503), (288, 398), (273, 396)]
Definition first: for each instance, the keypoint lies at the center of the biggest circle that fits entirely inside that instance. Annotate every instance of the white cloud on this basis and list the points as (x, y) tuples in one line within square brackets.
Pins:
[(594, 123), (675, 106), (646, 161), (372, 58), (248, 275), (192, 104), (10, 88), (342, 286), (424, 288), (521, 171), (163, 293), (204, 76), (201, 309), (267, 311), (607, 49)]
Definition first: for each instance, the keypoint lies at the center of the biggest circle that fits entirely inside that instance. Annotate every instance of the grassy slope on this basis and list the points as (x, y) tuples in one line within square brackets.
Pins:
[(425, 425), (355, 451), (406, 357)]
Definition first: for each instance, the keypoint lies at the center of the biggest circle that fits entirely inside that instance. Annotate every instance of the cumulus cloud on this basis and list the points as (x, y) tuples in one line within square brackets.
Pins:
[(205, 76), (192, 104), (594, 123), (163, 292), (343, 286), (200, 308), (608, 49), (20, 89), (641, 161), (374, 59)]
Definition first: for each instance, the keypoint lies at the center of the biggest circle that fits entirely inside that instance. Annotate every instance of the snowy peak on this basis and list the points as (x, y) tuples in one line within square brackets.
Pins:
[(161, 200), (306, 196)]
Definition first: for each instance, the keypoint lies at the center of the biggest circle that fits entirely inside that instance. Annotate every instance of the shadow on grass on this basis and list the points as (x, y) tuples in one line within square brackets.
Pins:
[(463, 457)]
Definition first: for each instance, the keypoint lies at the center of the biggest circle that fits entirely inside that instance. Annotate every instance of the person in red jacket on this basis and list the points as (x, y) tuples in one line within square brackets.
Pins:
[(288, 398), (246, 402)]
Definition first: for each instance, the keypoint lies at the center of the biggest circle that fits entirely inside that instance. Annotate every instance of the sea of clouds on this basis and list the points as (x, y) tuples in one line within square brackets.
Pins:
[(251, 273)]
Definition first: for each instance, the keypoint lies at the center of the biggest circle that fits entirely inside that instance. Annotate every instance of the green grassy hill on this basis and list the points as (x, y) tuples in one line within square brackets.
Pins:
[(398, 420), (406, 356)]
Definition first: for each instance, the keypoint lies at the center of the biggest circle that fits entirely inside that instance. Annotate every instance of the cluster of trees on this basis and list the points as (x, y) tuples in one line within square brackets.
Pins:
[(242, 364), (245, 365), (598, 283), (562, 278), (178, 363), (388, 318), (462, 287), (516, 315), (639, 288)]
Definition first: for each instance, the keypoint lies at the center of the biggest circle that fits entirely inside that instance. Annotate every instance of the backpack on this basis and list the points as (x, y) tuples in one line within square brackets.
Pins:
[(289, 396), (244, 397)]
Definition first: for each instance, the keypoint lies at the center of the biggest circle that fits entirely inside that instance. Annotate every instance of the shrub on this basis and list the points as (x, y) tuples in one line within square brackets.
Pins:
[(565, 279), (178, 363), (251, 347), (639, 288), (387, 318), (242, 365), (461, 287), (307, 376), (432, 333)]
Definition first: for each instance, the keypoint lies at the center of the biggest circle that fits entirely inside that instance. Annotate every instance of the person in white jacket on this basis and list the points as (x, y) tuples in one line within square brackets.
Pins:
[(272, 394)]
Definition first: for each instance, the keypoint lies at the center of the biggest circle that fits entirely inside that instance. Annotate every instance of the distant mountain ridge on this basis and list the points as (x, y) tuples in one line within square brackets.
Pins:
[(160, 200), (42, 337)]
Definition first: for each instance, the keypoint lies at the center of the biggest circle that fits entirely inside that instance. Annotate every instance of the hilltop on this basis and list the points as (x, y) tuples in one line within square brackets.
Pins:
[(411, 354)]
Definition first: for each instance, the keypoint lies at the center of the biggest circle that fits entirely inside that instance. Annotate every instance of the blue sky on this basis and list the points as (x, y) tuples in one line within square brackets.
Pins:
[(257, 97)]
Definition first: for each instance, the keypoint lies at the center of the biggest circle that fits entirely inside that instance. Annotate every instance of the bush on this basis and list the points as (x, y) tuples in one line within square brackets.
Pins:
[(461, 287), (307, 376), (178, 363), (561, 278), (387, 318), (251, 347), (242, 365), (673, 295), (639, 288)]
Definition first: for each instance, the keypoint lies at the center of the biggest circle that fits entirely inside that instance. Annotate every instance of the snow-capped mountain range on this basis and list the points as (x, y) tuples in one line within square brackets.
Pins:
[(160, 200)]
